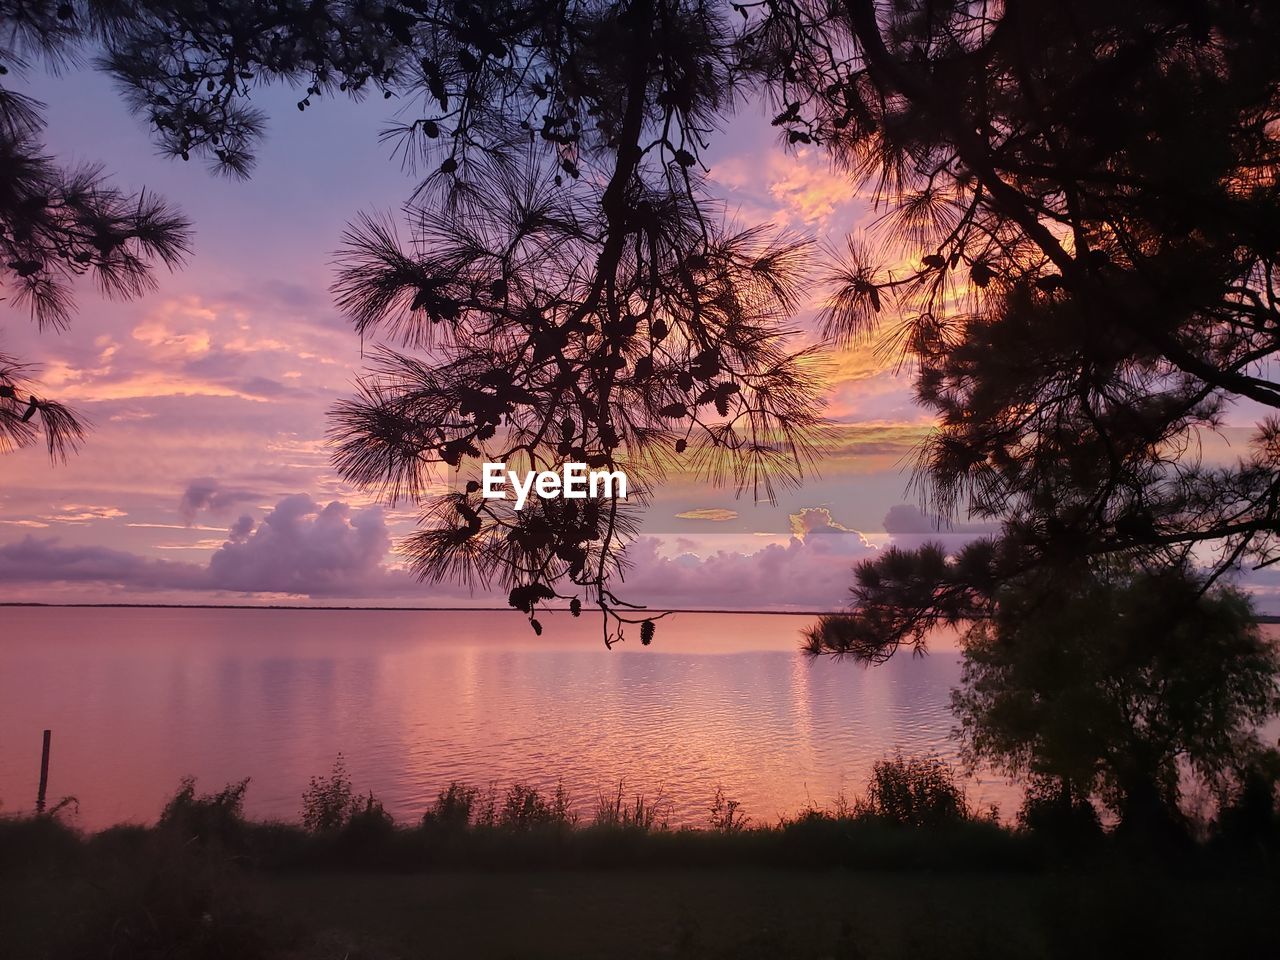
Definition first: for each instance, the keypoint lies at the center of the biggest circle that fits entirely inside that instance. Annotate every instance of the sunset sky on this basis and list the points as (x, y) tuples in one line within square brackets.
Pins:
[(206, 477)]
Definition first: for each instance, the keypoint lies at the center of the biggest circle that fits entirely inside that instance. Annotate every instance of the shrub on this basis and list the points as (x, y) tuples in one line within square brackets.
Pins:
[(328, 804), (486, 807), (25, 840), (454, 808), (726, 814), (211, 816), (1250, 802), (616, 811), (913, 792), (368, 823), (524, 807), (1052, 810), (1120, 680), (167, 898)]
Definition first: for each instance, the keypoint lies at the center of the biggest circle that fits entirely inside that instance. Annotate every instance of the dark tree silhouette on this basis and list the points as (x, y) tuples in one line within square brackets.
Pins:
[(1106, 682), (57, 224), (1078, 246), (576, 300), (565, 292), (1080, 206)]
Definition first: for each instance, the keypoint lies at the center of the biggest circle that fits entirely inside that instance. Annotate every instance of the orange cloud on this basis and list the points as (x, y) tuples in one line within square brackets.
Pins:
[(798, 190), (708, 513)]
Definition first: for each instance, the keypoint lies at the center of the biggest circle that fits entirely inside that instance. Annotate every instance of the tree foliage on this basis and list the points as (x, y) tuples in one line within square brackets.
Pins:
[(57, 223), (913, 792), (1111, 685), (563, 288), (1078, 255)]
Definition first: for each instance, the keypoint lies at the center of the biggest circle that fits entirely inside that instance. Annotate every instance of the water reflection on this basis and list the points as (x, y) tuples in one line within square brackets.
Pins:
[(139, 698)]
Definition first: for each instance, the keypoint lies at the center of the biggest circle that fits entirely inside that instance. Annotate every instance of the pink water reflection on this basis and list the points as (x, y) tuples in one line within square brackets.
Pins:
[(139, 698)]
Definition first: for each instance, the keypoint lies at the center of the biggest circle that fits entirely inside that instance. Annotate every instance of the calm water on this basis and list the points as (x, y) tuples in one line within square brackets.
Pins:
[(137, 699)]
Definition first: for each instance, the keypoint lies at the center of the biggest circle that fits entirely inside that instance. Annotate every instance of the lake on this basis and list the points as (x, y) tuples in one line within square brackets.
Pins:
[(139, 698)]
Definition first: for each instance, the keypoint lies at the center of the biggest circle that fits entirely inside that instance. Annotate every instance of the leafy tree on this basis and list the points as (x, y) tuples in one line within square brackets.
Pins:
[(1078, 258), (1107, 684), (565, 291), (56, 223)]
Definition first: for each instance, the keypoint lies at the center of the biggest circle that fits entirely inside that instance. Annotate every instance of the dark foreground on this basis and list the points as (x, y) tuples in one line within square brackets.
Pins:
[(835, 891), (763, 913)]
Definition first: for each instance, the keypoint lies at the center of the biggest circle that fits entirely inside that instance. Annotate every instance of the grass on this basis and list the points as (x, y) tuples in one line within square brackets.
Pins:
[(907, 870), (759, 913), (135, 893)]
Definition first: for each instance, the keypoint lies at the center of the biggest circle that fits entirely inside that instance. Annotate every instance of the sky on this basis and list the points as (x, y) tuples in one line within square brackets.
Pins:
[(206, 478)]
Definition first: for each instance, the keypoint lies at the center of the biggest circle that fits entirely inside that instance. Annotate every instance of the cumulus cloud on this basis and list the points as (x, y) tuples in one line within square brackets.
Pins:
[(301, 547), (206, 493), (306, 548), (811, 571), (816, 520)]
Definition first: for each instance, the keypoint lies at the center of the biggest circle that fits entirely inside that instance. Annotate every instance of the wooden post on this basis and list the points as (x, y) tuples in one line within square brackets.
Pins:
[(44, 772)]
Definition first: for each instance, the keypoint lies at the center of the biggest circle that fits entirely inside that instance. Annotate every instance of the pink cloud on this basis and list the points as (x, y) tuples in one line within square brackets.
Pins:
[(811, 571), (46, 559), (303, 548), (300, 548), (208, 493), (798, 189)]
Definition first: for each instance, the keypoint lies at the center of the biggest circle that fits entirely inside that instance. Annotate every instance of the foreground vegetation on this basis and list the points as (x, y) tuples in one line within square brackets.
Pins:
[(905, 870)]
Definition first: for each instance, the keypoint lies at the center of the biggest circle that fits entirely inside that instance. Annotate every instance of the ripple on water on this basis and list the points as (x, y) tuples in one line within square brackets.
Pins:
[(139, 698)]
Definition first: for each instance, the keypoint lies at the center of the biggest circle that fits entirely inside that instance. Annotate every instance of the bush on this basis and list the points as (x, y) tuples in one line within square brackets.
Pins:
[(209, 817), (1121, 681), (913, 792), (726, 814), (454, 808), (615, 811), (1051, 810), (368, 823), (134, 891), (43, 839), (1250, 803), (328, 804), (524, 808)]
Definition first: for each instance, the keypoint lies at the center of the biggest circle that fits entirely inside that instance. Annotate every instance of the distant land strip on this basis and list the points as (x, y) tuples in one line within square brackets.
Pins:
[(313, 606), (1259, 618)]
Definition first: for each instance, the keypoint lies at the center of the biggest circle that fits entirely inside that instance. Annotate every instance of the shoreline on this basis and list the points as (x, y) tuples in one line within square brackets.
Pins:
[(1260, 618), (401, 609)]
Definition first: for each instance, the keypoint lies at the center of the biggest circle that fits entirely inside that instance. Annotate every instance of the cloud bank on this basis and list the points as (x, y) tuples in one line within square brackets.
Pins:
[(300, 548), (305, 549)]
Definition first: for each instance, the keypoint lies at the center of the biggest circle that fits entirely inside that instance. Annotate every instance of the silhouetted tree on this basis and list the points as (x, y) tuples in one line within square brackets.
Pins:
[(1077, 254), (56, 223), (1107, 684), (565, 291)]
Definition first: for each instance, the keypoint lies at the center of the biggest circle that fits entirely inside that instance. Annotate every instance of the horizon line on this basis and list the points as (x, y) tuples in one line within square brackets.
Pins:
[(301, 606), (1258, 618)]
